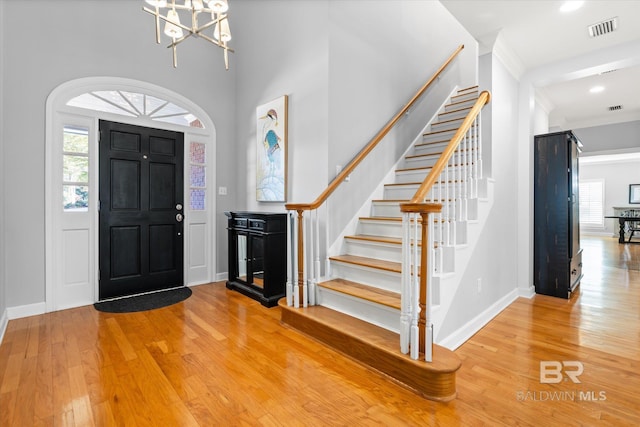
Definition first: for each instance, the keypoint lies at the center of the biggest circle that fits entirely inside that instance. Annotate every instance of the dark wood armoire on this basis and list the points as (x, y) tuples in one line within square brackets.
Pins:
[(557, 260)]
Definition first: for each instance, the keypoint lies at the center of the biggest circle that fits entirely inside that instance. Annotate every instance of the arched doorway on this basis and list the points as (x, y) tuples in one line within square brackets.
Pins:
[(73, 111)]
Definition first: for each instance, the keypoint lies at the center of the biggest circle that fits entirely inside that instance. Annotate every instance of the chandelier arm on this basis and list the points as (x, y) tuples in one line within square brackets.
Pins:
[(176, 42), (217, 43)]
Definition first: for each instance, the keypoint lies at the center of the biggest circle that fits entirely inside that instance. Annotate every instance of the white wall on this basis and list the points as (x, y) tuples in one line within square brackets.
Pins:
[(617, 176), (494, 257), (618, 136), (66, 40), (3, 286), (282, 49), (379, 56)]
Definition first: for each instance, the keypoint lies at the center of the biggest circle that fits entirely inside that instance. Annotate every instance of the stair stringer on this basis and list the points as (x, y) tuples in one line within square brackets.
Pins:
[(447, 284)]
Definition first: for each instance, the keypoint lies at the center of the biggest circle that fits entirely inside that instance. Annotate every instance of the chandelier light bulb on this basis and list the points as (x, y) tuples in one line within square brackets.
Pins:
[(222, 32), (218, 6), (157, 3), (197, 4), (170, 28)]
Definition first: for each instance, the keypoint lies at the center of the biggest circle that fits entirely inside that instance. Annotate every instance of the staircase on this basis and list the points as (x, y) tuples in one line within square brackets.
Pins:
[(358, 308), (370, 266)]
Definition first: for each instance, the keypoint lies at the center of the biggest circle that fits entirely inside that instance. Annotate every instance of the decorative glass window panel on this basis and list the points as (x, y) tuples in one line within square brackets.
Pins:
[(76, 197), (197, 176), (197, 153), (75, 169), (197, 200)]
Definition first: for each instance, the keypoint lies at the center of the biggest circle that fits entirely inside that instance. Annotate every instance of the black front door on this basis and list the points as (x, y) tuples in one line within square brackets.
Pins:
[(141, 208)]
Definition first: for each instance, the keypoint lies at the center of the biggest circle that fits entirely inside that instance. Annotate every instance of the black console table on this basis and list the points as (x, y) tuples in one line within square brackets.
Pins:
[(258, 255), (622, 222)]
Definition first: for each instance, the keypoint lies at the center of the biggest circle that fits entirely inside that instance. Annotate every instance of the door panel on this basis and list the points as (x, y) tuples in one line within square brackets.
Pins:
[(141, 193)]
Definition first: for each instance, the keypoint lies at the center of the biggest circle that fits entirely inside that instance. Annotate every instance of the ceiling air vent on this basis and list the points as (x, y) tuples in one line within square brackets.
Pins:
[(604, 27), (615, 108)]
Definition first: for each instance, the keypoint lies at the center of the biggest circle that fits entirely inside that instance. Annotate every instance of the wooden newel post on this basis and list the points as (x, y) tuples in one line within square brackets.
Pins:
[(300, 257), (422, 321)]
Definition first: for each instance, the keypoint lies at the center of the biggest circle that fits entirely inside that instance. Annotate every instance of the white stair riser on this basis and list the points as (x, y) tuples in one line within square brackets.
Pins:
[(375, 250), (420, 162), (382, 279), (400, 192), (379, 315), (380, 228), (405, 192), (434, 148), (418, 175), (455, 114), (465, 96), (407, 177), (448, 123), (459, 105), (386, 209), (437, 137)]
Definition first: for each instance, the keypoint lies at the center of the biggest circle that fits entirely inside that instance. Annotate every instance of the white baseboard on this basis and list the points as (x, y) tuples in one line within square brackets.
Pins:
[(26, 310), (457, 338), (222, 276), (527, 293), (4, 321), (202, 282)]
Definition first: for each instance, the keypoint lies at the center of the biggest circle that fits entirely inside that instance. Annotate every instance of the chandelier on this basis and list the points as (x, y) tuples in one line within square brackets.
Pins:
[(179, 32)]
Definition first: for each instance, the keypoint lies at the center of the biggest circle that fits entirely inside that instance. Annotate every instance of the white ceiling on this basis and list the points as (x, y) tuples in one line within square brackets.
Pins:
[(538, 34)]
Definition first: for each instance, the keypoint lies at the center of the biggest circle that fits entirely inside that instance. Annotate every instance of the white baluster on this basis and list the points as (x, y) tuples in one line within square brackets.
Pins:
[(465, 179), (476, 137), (290, 252), (314, 290), (444, 200), (428, 345), (415, 291), (296, 263), (305, 260), (480, 172), (405, 292)]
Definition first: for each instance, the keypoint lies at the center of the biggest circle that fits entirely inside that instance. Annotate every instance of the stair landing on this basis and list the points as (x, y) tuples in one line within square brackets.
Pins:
[(378, 349)]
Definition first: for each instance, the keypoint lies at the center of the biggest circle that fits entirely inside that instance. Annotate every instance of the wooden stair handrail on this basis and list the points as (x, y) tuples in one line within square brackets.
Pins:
[(372, 144), (418, 199)]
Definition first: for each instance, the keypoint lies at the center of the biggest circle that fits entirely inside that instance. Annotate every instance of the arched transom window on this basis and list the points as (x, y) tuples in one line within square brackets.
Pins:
[(133, 104)]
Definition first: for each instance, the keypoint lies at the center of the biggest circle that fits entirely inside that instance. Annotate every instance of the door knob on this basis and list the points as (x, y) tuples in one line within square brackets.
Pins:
[(179, 217), (178, 207)]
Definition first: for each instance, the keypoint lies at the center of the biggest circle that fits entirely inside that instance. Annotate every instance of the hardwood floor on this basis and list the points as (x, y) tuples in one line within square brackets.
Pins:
[(220, 358)]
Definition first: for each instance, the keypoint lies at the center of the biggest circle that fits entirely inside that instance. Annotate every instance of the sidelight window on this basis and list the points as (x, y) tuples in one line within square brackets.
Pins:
[(197, 176), (75, 169)]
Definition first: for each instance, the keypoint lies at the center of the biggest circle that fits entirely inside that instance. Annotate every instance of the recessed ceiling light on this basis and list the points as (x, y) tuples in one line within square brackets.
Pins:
[(570, 6), (596, 89)]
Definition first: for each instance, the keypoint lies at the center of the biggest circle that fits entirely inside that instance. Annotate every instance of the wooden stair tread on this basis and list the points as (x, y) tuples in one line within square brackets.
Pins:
[(394, 267), (451, 181), (365, 292), (461, 102), (377, 239), (376, 348), (414, 169), (455, 111)]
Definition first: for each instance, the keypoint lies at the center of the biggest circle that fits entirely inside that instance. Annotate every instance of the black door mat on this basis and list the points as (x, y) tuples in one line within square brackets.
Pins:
[(144, 302)]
